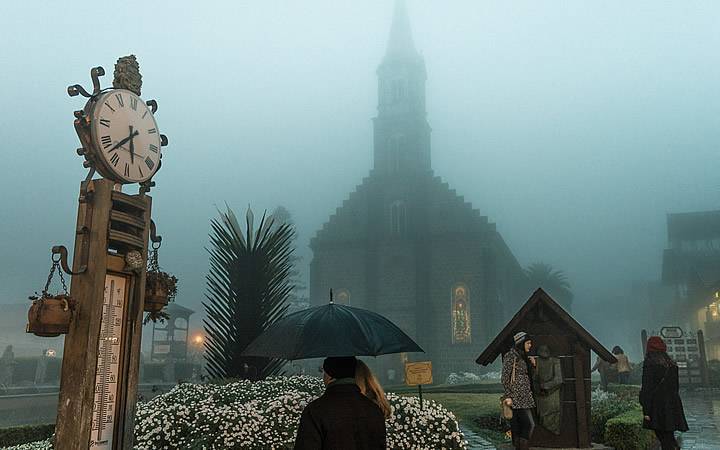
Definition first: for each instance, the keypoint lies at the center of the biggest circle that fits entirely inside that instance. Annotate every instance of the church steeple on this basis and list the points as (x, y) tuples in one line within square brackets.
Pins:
[(402, 134), (400, 44)]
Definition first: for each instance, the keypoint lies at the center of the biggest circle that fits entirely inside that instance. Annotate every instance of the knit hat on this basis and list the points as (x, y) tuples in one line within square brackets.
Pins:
[(340, 366), (520, 337), (656, 344)]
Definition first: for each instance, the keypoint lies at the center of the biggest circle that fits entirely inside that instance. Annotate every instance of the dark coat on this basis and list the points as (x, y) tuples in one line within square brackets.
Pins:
[(659, 395), (341, 419)]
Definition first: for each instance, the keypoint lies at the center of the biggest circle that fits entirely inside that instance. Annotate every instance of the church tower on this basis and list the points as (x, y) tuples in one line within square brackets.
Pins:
[(402, 133)]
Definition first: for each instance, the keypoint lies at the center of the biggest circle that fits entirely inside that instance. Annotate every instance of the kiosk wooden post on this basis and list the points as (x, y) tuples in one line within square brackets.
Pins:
[(102, 349)]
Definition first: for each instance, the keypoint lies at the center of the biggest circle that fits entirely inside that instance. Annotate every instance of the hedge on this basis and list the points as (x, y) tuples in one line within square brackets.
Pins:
[(25, 434), (625, 432)]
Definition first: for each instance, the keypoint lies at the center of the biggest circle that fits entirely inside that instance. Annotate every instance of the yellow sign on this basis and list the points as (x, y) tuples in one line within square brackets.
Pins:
[(418, 373)]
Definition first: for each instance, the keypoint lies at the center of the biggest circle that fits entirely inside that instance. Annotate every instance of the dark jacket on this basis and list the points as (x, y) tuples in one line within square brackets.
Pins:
[(659, 394), (341, 419)]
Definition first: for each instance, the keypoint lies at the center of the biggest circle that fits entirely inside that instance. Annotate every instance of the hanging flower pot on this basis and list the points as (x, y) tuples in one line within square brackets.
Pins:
[(156, 291), (50, 315), (160, 287)]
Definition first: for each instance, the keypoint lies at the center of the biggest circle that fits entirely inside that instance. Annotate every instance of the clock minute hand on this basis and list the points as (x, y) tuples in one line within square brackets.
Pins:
[(116, 146), (132, 147)]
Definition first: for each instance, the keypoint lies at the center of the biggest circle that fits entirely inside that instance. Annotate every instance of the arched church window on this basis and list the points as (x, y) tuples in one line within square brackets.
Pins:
[(398, 217), (396, 147), (460, 315), (398, 90), (343, 297)]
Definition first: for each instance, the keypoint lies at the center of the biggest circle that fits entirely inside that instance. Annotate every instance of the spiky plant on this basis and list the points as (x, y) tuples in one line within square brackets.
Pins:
[(554, 282), (247, 289)]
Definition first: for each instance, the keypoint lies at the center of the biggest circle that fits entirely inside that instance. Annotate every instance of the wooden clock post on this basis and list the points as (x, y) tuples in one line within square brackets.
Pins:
[(100, 368)]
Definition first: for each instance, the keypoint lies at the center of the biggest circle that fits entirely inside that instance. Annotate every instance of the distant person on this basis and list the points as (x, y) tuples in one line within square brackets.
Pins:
[(342, 418), (516, 369), (603, 367), (659, 395), (370, 387), (623, 366)]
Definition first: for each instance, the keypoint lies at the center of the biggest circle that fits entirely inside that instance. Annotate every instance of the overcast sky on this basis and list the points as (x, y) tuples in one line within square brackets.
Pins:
[(575, 126)]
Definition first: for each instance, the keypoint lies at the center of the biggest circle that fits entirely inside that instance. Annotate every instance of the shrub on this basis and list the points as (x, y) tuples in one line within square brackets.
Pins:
[(625, 432), (22, 435), (264, 414), (605, 405)]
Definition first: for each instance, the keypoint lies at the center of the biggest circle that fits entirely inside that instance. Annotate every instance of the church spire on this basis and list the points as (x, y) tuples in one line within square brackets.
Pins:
[(400, 42), (402, 134)]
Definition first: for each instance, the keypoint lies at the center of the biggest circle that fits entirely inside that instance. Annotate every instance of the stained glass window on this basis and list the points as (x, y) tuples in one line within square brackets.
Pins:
[(460, 315)]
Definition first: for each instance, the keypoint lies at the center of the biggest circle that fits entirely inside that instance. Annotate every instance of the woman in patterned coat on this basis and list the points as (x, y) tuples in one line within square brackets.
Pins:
[(518, 389)]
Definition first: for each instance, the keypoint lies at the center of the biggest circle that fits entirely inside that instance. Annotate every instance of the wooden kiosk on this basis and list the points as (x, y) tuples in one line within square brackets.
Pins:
[(549, 324)]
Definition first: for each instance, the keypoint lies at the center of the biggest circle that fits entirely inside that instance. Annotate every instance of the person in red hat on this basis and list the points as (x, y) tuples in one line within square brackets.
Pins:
[(659, 395)]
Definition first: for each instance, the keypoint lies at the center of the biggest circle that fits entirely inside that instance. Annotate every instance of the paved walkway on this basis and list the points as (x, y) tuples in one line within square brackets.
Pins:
[(476, 442), (702, 410)]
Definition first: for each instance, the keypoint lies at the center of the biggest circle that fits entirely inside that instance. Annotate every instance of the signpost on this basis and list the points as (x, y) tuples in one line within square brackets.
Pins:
[(688, 351), (418, 374)]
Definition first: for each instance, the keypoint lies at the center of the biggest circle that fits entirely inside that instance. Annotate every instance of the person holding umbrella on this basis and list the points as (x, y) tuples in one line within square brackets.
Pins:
[(342, 418)]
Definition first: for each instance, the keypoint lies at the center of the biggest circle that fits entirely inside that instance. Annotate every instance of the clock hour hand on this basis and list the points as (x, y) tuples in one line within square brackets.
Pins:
[(119, 144)]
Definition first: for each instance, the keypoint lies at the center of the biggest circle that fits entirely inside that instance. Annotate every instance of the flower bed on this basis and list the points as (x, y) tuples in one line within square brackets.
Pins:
[(265, 414)]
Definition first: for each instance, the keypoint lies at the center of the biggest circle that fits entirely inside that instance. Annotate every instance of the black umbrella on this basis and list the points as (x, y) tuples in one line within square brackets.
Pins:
[(331, 330)]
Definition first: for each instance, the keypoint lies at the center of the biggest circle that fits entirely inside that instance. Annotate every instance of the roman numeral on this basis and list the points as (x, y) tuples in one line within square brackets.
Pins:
[(144, 114), (105, 122), (127, 169), (150, 163), (114, 159), (106, 141), (119, 100), (140, 170), (153, 148), (152, 131), (109, 107), (133, 103)]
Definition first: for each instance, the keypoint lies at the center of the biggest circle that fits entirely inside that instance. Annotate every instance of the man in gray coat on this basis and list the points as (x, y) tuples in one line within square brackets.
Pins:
[(342, 418)]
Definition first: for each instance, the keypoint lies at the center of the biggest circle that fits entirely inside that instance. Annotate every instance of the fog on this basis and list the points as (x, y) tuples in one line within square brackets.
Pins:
[(575, 126)]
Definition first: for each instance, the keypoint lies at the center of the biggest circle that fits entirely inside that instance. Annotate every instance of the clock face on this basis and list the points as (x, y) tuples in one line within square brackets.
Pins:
[(126, 137)]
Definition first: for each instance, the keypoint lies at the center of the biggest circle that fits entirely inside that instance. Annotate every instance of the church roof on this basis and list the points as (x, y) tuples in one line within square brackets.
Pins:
[(400, 43), (540, 299), (447, 213)]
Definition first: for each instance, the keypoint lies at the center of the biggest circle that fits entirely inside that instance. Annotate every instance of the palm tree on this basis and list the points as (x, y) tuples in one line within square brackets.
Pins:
[(247, 289), (554, 282)]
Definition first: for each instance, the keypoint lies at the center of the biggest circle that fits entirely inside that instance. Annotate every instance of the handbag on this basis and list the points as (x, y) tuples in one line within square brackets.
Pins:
[(506, 411)]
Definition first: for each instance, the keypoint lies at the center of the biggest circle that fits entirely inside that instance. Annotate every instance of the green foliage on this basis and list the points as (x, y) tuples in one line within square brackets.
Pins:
[(605, 406), (247, 290), (625, 432), (625, 392), (25, 434), (554, 282)]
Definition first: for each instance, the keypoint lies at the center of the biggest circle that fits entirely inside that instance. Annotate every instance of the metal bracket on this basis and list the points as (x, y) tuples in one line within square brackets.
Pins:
[(63, 253), (154, 238), (152, 104), (95, 74)]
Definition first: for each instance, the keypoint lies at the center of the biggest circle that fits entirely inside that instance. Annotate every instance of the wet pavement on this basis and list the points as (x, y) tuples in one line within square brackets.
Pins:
[(702, 410)]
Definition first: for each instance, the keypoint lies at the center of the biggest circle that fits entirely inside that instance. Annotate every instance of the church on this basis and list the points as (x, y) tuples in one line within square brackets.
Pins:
[(406, 245)]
